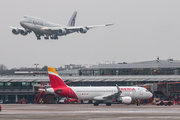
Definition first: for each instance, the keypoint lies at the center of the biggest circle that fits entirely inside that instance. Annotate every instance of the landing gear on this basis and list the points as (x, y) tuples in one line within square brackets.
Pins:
[(38, 36), (90, 101), (46, 37), (55, 37), (138, 104), (96, 104), (108, 104)]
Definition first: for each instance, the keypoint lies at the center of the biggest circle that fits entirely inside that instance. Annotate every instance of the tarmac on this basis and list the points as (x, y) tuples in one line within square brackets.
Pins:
[(88, 112)]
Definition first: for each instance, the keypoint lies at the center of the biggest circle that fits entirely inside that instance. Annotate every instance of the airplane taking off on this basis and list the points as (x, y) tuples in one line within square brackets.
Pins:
[(123, 94), (47, 29)]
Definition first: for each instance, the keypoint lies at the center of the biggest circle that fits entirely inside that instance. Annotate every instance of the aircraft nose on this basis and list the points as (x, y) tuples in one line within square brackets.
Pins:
[(151, 94), (22, 22)]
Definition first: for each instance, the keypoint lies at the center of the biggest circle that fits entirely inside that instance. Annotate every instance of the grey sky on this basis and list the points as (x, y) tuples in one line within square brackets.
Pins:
[(143, 30)]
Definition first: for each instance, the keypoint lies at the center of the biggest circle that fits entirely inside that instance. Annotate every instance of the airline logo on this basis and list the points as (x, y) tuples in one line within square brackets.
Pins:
[(55, 80), (52, 71), (127, 89), (38, 23), (73, 21)]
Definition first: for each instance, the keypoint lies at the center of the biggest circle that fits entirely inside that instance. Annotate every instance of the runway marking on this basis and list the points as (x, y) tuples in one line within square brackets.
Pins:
[(122, 118)]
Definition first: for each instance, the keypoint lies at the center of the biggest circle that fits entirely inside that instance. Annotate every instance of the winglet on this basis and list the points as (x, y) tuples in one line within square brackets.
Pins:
[(119, 91), (55, 80)]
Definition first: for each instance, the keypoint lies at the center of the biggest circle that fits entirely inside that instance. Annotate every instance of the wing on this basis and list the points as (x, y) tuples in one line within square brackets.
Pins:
[(95, 26), (109, 97), (67, 29), (16, 28), (76, 27)]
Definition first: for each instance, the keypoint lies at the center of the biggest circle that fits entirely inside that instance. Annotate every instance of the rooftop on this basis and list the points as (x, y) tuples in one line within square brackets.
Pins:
[(45, 78)]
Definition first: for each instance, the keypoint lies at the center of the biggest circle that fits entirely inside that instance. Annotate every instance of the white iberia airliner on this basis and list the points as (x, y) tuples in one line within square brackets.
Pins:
[(123, 94)]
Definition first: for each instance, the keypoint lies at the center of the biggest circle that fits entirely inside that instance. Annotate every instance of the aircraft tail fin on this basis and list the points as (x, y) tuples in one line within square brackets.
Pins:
[(72, 20), (55, 79)]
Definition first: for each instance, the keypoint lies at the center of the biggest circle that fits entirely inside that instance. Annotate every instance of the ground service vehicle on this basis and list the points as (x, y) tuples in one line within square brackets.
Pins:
[(164, 102)]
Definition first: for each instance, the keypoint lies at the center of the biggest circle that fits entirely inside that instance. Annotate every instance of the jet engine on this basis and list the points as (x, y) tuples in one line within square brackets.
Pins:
[(50, 90), (15, 31), (23, 32), (125, 100), (62, 31), (83, 30)]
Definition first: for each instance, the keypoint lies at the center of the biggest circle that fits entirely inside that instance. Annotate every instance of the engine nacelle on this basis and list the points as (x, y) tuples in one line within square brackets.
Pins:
[(125, 100), (62, 31), (83, 30), (15, 31), (23, 32), (50, 90)]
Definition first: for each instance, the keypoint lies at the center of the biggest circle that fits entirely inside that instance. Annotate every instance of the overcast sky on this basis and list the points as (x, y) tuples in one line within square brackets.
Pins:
[(143, 30)]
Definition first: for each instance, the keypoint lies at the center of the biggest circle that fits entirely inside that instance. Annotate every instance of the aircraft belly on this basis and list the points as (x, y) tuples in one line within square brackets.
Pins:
[(36, 28)]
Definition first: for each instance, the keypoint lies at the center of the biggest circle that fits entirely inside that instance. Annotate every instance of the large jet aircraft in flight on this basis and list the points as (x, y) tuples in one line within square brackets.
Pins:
[(47, 29), (123, 94)]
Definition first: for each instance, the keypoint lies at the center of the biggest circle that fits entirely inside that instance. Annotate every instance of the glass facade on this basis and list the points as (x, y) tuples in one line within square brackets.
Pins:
[(129, 71), (12, 91), (16, 85), (109, 83)]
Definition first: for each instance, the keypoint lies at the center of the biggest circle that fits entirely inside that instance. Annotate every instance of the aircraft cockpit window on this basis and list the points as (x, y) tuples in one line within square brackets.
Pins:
[(146, 90), (25, 16)]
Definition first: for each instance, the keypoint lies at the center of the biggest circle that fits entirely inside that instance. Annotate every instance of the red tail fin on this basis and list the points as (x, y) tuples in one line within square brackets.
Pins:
[(55, 79)]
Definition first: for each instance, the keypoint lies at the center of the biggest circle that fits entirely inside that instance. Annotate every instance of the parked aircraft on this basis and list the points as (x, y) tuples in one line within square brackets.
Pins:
[(47, 29), (123, 94)]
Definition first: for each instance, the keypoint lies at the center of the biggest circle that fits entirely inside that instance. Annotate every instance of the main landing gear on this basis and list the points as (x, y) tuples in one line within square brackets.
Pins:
[(38, 37), (108, 104), (46, 37), (55, 37), (96, 104)]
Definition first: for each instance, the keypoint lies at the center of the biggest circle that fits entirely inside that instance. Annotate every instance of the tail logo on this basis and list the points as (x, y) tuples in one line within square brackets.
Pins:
[(55, 80), (73, 21)]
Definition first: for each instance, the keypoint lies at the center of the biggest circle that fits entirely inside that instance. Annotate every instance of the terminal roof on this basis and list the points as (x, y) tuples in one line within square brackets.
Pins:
[(45, 78)]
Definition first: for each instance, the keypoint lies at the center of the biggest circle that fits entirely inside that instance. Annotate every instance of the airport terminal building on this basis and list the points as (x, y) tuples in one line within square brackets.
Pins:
[(154, 67), (162, 76)]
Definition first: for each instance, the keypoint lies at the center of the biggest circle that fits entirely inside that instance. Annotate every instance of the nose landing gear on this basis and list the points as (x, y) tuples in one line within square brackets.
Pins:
[(138, 103)]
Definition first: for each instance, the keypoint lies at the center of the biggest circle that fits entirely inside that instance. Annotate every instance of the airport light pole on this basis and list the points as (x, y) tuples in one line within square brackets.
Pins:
[(36, 64)]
